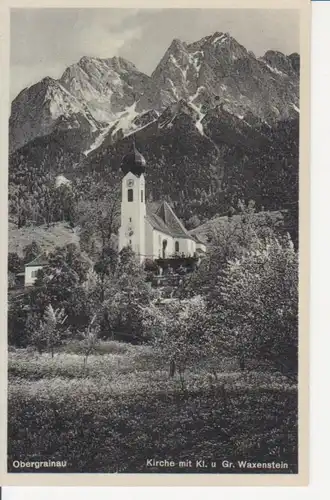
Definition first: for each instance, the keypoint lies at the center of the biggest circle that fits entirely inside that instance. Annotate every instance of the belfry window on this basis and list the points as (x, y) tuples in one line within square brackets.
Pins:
[(141, 195), (130, 195)]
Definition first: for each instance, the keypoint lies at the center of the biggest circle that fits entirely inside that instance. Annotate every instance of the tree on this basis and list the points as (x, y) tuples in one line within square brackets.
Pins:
[(70, 256), (11, 280), (90, 339), (31, 251), (99, 219), (50, 331), (60, 283), (179, 333), (256, 317), (18, 317), (229, 239), (104, 267), (15, 263), (67, 203), (126, 292), (193, 222)]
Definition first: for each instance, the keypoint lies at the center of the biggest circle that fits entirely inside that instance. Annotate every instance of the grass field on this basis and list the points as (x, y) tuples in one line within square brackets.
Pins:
[(121, 408), (57, 234)]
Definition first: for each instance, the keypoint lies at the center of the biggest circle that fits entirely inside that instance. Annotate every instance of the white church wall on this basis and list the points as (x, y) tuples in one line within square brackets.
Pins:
[(150, 253), (186, 246), (192, 247), (154, 244), (158, 238)]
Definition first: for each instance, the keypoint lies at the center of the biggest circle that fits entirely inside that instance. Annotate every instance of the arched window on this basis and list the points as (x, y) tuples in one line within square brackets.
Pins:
[(177, 246), (130, 195)]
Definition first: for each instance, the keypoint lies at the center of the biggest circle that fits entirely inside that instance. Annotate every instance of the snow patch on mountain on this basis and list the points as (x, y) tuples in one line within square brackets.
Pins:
[(174, 89), (272, 69), (196, 59), (126, 118), (137, 129), (99, 139), (199, 125), (193, 97), (177, 65), (61, 103), (123, 121), (201, 115), (184, 72), (221, 39), (295, 107)]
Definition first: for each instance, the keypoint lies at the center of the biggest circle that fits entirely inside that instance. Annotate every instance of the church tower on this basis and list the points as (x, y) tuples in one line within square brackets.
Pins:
[(133, 204)]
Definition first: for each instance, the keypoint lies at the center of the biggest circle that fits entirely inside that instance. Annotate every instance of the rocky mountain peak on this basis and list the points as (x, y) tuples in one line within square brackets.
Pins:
[(111, 93), (177, 44), (176, 56), (36, 111), (278, 61), (48, 81)]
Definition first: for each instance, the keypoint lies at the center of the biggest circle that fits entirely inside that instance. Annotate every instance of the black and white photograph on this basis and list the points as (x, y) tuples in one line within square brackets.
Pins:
[(153, 241)]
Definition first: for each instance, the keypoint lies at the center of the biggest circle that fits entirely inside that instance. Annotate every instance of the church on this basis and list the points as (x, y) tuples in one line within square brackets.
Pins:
[(152, 234)]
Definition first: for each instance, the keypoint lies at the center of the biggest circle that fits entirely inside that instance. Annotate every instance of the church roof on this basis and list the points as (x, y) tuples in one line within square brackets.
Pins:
[(157, 223), (165, 220)]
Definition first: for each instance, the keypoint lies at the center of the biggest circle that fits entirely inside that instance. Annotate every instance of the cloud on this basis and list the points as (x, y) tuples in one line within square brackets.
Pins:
[(46, 41), (99, 41)]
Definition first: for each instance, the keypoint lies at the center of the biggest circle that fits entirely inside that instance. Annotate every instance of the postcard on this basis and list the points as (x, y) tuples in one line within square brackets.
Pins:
[(156, 250)]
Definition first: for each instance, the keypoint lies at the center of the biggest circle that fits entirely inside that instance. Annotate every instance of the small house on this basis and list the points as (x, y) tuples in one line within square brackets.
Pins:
[(32, 268)]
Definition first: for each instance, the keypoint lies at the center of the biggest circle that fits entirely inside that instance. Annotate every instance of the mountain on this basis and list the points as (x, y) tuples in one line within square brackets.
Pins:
[(94, 94), (214, 122), (108, 86), (219, 69), (89, 96), (204, 166), (45, 107)]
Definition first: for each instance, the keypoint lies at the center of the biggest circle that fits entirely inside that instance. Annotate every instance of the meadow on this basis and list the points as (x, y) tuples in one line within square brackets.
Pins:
[(120, 407)]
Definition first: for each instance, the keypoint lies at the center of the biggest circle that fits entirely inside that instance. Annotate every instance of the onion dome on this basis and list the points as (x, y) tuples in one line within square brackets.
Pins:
[(133, 162)]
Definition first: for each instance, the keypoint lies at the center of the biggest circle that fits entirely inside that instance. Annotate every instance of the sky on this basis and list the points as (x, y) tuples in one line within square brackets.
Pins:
[(44, 42)]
